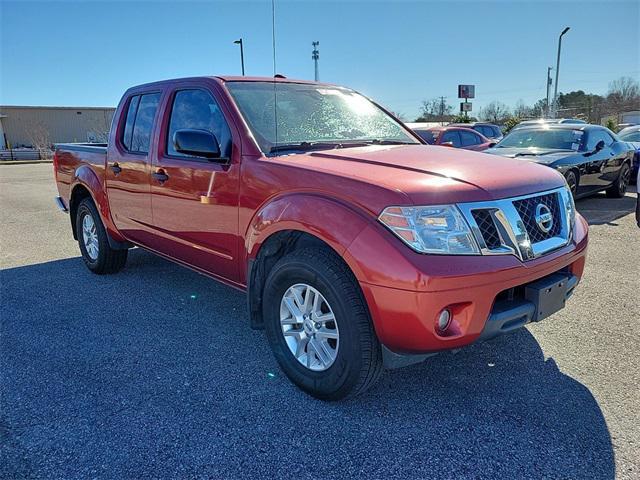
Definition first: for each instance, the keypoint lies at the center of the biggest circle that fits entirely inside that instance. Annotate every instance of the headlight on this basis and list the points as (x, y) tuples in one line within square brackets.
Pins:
[(439, 229), (570, 208)]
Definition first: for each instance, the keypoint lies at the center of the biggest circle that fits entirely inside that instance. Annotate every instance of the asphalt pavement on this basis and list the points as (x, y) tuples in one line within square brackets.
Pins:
[(155, 373)]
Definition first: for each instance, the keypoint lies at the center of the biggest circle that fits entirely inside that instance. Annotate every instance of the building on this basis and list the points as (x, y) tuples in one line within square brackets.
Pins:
[(41, 127)]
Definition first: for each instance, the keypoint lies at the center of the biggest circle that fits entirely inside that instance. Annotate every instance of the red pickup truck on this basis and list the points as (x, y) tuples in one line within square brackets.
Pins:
[(358, 245)]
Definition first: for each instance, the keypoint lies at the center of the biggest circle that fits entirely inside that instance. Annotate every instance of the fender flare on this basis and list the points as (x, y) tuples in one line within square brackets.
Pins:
[(86, 177), (335, 223)]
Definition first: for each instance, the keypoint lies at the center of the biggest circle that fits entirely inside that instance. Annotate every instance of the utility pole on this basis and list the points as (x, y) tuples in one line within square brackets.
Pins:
[(555, 88), (546, 114), (442, 110), (239, 42), (315, 55)]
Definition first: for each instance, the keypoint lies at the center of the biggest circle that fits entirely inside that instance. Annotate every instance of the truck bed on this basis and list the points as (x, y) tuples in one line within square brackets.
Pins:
[(69, 157)]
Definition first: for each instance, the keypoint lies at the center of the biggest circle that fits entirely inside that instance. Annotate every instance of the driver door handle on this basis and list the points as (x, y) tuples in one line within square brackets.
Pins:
[(161, 176), (116, 169)]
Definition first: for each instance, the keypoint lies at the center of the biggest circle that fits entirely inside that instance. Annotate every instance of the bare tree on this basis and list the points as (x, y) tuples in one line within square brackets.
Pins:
[(623, 94), (495, 112), (39, 137), (435, 110), (521, 110)]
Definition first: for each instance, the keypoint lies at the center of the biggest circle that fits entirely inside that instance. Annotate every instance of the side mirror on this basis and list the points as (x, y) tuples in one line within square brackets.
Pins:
[(447, 144), (492, 144), (199, 143), (599, 146)]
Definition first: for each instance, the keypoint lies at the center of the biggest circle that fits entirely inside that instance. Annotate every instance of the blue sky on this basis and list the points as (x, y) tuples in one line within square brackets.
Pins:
[(399, 53)]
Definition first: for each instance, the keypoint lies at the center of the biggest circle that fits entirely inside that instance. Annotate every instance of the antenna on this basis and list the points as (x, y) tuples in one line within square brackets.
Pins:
[(273, 42)]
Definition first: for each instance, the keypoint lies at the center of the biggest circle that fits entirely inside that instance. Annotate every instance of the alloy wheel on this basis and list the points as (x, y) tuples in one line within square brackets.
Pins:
[(90, 237), (309, 327)]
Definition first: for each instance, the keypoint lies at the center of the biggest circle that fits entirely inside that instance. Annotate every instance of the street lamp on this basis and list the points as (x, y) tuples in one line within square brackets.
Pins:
[(239, 42), (555, 88)]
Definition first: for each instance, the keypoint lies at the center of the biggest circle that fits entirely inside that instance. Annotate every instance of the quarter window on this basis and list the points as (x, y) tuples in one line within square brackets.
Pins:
[(197, 109)]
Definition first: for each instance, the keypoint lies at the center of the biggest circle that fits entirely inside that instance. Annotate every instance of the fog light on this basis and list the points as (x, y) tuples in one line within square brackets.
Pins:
[(444, 320)]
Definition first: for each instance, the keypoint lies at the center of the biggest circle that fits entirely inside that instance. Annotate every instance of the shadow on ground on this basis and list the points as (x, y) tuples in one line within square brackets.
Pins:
[(600, 210), (154, 372)]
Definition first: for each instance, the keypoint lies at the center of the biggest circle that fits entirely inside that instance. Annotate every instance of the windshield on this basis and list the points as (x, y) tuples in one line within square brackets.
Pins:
[(561, 139), (631, 136), (308, 114)]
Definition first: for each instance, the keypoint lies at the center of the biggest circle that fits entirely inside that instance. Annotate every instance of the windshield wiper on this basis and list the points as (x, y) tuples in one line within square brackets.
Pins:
[(376, 141), (304, 146), (524, 154)]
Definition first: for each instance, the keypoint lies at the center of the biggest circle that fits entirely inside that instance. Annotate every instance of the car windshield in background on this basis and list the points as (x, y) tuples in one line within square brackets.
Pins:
[(311, 116), (557, 139)]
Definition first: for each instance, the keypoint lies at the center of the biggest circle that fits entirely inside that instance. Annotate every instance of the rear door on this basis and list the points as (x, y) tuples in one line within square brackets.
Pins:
[(128, 166), (195, 200)]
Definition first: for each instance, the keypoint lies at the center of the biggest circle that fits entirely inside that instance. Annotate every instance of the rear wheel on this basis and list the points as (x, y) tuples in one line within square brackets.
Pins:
[(97, 254), (619, 188), (572, 181), (318, 325)]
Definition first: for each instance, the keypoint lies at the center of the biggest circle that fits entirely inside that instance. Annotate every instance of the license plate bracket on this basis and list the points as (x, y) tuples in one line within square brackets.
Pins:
[(548, 294)]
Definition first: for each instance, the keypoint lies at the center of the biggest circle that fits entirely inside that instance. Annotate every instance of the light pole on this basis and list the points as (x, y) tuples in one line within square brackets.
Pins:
[(239, 42), (555, 87), (548, 106), (315, 55)]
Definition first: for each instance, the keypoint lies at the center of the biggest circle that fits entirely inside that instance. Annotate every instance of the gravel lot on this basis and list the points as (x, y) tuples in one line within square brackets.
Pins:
[(154, 372)]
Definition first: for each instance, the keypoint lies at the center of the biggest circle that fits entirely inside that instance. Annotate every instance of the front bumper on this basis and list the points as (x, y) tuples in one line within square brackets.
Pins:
[(477, 290)]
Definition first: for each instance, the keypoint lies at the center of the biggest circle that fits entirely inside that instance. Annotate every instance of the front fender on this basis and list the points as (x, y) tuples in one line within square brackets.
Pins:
[(332, 221), (87, 177)]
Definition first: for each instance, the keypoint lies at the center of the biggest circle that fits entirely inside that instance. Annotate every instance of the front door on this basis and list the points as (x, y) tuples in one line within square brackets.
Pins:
[(128, 168), (194, 200)]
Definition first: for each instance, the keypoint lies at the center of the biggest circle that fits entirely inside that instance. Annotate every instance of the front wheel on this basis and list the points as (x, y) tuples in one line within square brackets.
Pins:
[(572, 182), (619, 188), (318, 325), (97, 254)]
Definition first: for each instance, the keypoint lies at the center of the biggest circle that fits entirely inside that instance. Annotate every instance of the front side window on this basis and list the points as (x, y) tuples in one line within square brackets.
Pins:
[(197, 109), (631, 136), (451, 137), (469, 138), (427, 135), (596, 136), (308, 114)]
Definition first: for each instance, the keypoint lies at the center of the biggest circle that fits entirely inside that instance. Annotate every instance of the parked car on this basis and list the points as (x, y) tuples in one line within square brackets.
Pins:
[(549, 121), (631, 135), (455, 137), (590, 157), (358, 246), (489, 130)]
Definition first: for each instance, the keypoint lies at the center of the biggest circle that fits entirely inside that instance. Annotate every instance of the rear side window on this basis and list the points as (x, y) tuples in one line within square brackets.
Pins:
[(197, 109), (136, 135), (469, 138), (451, 137)]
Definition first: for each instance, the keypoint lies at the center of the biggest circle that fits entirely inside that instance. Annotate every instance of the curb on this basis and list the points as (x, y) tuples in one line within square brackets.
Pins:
[(23, 162)]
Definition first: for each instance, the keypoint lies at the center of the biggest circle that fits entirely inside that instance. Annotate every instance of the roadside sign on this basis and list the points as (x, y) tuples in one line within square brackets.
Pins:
[(465, 106), (466, 91)]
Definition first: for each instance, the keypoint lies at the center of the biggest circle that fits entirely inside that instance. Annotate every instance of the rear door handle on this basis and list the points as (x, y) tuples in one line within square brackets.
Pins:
[(160, 176), (116, 169)]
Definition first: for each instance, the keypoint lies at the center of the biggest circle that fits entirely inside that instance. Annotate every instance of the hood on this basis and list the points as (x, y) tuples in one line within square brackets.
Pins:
[(433, 175), (545, 156)]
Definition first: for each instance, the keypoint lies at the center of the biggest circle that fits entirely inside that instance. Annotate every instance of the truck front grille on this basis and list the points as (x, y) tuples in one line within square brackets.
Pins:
[(510, 226), (527, 210), (487, 228)]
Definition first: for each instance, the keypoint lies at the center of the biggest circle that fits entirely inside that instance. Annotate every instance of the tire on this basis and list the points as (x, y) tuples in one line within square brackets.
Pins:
[(619, 188), (97, 254), (357, 364), (572, 181)]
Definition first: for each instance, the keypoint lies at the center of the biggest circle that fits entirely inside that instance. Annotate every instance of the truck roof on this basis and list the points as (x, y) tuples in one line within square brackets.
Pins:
[(230, 78)]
